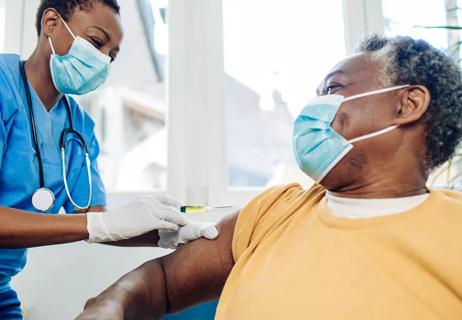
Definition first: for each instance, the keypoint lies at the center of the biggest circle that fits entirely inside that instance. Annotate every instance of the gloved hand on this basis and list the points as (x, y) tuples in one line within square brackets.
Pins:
[(192, 231), (133, 219)]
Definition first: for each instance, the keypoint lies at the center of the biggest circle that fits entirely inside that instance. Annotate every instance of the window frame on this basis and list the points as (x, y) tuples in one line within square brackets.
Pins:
[(198, 28), (197, 162)]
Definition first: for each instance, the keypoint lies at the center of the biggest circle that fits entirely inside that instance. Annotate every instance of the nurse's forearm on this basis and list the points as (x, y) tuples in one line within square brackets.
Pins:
[(92, 209), (23, 229), (149, 239)]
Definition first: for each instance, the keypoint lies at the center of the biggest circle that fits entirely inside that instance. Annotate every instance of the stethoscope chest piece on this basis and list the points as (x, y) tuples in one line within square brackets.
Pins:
[(43, 199)]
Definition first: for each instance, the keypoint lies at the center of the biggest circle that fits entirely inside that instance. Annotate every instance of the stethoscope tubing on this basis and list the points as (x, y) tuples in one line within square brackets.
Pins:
[(62, 142)]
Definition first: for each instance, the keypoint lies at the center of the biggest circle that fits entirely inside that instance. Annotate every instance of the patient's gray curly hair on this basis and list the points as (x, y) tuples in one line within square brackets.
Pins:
[(410, 61)]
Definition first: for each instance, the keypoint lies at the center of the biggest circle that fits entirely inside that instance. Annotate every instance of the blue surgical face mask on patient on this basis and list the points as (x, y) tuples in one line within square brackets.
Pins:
[(82, 70), (317, 146)]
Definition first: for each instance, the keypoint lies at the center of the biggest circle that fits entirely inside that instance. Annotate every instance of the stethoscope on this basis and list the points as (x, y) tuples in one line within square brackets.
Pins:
[(43, 198)]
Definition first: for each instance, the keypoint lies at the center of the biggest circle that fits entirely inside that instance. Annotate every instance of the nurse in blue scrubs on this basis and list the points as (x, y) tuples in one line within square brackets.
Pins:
[(48, 149)]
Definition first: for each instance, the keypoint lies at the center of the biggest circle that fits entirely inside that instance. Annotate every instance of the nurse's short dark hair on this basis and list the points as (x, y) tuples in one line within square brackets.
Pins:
[(410, 61), (66, 8)]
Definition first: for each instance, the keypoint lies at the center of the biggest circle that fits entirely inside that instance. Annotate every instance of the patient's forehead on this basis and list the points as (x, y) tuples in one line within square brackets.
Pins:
[(351, 62), (357, 68)]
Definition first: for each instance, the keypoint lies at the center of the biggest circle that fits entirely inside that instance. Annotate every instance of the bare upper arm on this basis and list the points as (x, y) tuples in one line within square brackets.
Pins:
[(194, 273), (197, 271)]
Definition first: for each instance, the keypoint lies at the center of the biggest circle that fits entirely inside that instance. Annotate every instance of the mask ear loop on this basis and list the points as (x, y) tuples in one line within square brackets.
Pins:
[(51, 45), (370, 93), (67, 27), (365, 94), (373, 134)]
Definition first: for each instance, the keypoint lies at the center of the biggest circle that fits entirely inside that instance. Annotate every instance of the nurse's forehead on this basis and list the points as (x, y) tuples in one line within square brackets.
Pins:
[(98, 15)]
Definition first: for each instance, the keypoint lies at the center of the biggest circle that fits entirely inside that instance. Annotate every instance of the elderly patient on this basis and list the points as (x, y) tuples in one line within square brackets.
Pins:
[(368, 241)]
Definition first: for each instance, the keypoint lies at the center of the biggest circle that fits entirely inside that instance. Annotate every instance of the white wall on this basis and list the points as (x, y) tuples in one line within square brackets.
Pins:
[(59, 279), (20, 34)]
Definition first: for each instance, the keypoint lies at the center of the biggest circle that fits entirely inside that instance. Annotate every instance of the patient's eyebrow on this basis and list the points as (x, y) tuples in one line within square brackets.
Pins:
[(333, 73)]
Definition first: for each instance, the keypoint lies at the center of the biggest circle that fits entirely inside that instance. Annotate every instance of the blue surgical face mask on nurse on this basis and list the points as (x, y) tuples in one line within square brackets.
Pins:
[(82, 70), (317, 146)]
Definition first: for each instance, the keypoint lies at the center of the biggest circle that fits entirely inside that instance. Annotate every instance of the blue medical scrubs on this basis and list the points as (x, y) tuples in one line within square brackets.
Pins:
[(19, 174)]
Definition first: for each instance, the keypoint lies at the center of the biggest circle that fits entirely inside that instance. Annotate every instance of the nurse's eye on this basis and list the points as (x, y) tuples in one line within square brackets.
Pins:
[(98, 44)]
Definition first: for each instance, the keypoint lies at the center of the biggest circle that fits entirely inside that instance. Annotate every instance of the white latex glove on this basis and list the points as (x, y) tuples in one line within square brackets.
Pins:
[(133, 219), (192, 231), (164, 199)]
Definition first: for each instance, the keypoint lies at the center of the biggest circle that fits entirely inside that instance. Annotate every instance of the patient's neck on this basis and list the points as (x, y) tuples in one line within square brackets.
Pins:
[(391, 182)]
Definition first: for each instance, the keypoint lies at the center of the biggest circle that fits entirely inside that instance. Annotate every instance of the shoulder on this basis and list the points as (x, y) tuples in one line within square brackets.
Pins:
[(443, 209), (9, 84), (447, 197), (282, 196), (448, 201), (276, 194), (269, 210), (9, 63), (9, 70)]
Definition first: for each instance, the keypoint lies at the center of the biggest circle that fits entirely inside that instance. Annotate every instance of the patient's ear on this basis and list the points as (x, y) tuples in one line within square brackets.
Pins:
[(412, 105)]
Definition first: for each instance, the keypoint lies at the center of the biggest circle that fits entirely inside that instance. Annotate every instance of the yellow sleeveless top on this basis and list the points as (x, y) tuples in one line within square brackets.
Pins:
[(294, 259)]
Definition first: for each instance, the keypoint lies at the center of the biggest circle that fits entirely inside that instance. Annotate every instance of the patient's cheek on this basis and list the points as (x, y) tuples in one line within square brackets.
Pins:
[(340, 123)]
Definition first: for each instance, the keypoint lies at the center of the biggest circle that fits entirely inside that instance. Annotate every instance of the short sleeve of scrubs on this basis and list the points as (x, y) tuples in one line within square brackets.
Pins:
[(6, 112), (2, 139), (98, 190)]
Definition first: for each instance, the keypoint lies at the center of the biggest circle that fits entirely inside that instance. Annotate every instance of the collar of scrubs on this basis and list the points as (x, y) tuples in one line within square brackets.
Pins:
[(49, 125)]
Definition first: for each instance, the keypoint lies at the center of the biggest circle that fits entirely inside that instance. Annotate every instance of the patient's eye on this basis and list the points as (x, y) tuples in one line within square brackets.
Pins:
[(332, 88)]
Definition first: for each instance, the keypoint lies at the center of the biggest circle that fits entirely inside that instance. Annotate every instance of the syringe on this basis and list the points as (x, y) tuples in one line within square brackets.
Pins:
[(196, 208)]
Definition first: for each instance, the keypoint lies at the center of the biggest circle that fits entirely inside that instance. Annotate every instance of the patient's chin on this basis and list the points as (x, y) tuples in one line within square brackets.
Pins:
[(333, 180), (346, 172)]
